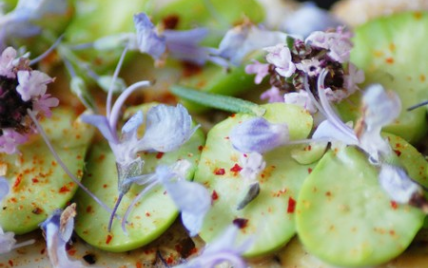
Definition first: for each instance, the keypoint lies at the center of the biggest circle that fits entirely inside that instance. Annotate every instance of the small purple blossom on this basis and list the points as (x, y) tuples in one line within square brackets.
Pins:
[(22, 89), (260, 69), (221, 250), (337, 43), (252, 165), (58, 229), (241, 40), (311, 66), (272, 95), (280, 57), (301, 99), (353, 78), (148, 39), (258, 135)]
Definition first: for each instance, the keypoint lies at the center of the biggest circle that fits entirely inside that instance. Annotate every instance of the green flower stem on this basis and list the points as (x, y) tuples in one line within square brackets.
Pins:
[(221, 102)]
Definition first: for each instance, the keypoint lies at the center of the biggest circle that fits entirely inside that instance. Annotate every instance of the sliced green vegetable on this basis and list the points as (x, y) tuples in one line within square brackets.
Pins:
[(152, 215), (39, 186), (345, 218), (391, 51), (269, 218)]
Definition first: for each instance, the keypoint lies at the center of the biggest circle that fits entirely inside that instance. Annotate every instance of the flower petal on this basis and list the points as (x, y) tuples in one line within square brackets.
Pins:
[(301, 99), (280, 56), (272, 95), (10, 140), (6, 62), (167, 128), (260, 69), (252, 164), (148, 40), (102, 123), (397, 184), (32, 84), (133, 123), (4, 188), (184, 45), (258, 135)]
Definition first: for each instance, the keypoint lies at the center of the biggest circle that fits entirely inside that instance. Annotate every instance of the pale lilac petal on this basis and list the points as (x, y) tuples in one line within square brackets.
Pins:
[(353, 78), (184, 45), (272, 95), (56, 240), (381, 107), (102, 123), (7, 241), (133, 123), (397, 184), (337, 43), (10, 140), (6, 62), (148, 40), (44, 103), (258, 135), (307, 19), (280, 57), (329, 131), (167, 128), (222, 250), (4, 188), (242, 40), (301, 99), (32, 84), (260, 69), (311, 67), (252, 165)]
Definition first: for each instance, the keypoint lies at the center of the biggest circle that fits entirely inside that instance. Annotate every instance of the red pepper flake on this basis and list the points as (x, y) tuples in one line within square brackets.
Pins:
[(109, 238), (89, 209), (138, 265), (18, 181), (397, 152), (171, 21), (148, 214), (10, 262), (232, 115), (389, 60), (105, 185), (72, 251), (241, 223), (236, 168), (291, 205), (170, 260), (64, 189), (309, 170), (394, 204), (219, 171), (193, 251), (43, 251), (35, 180), (200, 148), (159, 155), (214, 196), (37, 211)]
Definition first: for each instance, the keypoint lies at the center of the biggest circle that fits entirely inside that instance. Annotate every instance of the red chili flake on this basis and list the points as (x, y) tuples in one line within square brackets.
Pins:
[(64, 189), (170, 260), (214, 196), (159, 155), (138, 265), (309, 170), (394, 204), (219, 171), (389, 60), (200, 147), (232, 115), (72, 251), (35, 180), (105, 185), (193, 251), (190, 69), (109, 238), (236, 168), (241, 223), (171, 21), (37, 211), (148, 214), (43, 251), (53, 163), (397, 152), (10, 262), (291, 205), (89, 209), (18, 181)]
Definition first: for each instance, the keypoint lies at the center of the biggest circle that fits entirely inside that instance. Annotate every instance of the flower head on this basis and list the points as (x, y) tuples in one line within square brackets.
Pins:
[(58, 229), (21, 90), (280, 57)]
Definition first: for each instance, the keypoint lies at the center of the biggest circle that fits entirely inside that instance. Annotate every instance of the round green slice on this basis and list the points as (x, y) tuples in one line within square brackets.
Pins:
[(391, 51), (345, 218), (39, 185), (152, 215), (269, 218)]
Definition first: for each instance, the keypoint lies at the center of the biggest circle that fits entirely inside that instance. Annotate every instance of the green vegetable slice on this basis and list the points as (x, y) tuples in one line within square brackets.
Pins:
[(390, 51), (269, 218), (344, 217), (150, 217), (39, 185)]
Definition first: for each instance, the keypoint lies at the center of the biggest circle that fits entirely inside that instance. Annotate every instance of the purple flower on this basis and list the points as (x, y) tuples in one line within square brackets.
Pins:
[(244, 39), (258, 135), (32, 84), (7, 59), (193, 207), (337, 43), (58, 229), (280, 57), (312, 67), (272, 95), (10, 140), (148, 39), (353, 78), (260, 69), (221, 250)]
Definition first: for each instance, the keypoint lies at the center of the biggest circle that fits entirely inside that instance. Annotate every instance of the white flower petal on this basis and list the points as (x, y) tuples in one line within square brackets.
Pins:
[(102, 123), (397, 184), (32, 84), (4, 188), (148, 40), (252, 164), (133, 123), (258, 135), (167, 128)]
